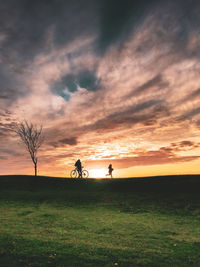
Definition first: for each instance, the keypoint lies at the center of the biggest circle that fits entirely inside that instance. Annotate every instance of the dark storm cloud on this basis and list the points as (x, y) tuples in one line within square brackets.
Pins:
[(156, 81), (145, 113), (9, 85), (9, 152), (28, 28), (111, 122), (128, 117), (69, 83), (50, 158), (191, 96), (71, 141), (186, 22), (26, 24), (190, 114), (66, 85), (88, 80), (7, 93), (139, 107), (174, 23), (118, 18), (194, 94)]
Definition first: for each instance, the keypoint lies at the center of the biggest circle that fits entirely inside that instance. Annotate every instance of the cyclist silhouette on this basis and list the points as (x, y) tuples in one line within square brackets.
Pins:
[(79, 168)]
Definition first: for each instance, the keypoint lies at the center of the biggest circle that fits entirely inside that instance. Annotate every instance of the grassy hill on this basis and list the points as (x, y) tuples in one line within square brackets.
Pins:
[(48, 221)]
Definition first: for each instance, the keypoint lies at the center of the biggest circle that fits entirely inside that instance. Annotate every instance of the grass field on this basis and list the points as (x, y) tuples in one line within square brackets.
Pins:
[(118, 222)]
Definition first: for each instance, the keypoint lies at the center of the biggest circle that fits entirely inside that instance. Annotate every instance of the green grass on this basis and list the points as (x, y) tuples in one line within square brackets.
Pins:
[(118, 222)]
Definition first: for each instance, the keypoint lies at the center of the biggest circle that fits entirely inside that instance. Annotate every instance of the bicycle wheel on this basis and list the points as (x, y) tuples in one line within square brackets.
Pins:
[(85, 174), (74, 174)]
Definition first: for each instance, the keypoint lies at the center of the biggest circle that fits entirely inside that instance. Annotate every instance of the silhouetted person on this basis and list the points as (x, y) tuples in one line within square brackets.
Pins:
[(110, 170), (79, 168)]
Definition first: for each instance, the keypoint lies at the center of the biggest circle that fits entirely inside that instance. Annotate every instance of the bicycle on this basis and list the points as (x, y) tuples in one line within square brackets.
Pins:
[(75, 174)]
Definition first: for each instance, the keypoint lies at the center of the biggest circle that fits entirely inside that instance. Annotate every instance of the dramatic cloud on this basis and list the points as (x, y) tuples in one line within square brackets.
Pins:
[(191, 96), (66, 141), (108, 80)]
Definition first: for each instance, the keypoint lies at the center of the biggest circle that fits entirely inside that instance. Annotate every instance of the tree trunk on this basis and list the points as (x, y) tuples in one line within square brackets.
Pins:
[(35, 168)]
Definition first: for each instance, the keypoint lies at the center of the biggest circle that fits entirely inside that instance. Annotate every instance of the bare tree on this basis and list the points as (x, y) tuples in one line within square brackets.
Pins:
[(32, 137)]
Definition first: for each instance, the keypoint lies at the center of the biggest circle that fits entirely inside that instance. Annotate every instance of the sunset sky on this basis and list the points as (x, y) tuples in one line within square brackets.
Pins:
[(111, 81)]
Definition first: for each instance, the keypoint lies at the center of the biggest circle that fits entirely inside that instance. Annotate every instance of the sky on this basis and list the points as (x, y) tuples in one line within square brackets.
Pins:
[(110, 81)]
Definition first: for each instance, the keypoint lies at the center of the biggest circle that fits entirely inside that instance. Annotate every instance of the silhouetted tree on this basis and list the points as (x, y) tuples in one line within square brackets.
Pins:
[(32, 137)]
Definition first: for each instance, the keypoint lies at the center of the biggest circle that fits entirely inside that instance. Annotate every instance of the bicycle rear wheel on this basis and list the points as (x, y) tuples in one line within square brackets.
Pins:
[(73, 174), (85, 174)]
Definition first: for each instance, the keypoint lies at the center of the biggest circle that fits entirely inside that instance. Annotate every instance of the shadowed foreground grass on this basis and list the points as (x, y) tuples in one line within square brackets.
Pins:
[(119, 222)]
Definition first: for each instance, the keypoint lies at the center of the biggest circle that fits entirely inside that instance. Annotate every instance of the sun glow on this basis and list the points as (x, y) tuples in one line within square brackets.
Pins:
[(98, 173)]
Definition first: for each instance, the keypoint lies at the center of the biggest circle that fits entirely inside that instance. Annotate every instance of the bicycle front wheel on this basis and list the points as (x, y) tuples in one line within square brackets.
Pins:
[(74, 174), (85, 174)]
